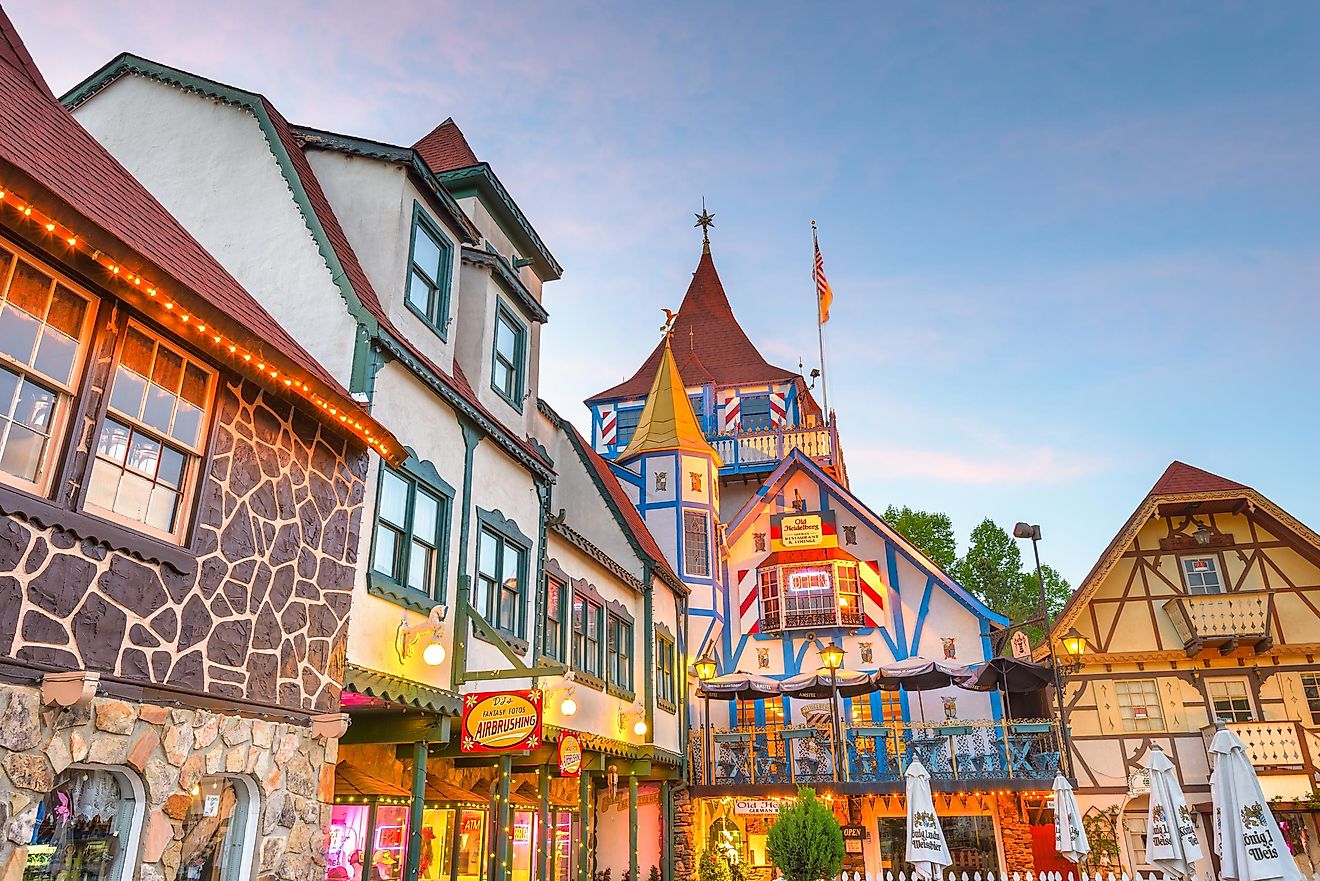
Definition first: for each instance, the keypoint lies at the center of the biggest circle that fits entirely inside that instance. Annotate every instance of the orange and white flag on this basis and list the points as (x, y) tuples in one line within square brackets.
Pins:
[(824, 296)]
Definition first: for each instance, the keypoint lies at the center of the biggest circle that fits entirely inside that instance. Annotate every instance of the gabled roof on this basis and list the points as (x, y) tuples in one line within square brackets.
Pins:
[(1180, 482), (341, 260), (706, 326), (42, 140), (796, 460), (445, 148), (667, 421)]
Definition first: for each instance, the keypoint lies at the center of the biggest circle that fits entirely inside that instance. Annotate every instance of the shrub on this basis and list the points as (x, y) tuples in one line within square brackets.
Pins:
[(806, 843), (654, 875), (712, 867)]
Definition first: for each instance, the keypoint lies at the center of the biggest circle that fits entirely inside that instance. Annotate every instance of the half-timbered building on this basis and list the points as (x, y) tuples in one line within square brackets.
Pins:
[(1204, 607)]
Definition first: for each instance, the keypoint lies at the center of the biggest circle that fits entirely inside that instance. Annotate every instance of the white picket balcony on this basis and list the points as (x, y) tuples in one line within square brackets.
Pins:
[(1223, 621)]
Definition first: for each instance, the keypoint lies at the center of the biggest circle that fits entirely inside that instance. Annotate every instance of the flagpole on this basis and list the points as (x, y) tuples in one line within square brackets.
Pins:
[(820, 326)]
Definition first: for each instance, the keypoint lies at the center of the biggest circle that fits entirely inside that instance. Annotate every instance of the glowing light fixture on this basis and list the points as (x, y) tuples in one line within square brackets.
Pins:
[(434, 654), (832, 656)]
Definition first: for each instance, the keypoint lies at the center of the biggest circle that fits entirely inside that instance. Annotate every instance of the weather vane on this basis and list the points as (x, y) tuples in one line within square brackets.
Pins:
[(705, 220), (668, 326)]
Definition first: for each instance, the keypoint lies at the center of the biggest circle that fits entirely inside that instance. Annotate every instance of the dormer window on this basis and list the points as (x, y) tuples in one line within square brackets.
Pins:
[(823, 594), (507, 368), (430, 259), (1201, 575)]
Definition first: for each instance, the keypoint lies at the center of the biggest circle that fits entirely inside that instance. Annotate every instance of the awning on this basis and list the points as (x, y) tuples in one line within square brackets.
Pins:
[(806, 555), (351, 781), (739, 686), (399, 690), (1010, 674), (444, 792), (919, 674)]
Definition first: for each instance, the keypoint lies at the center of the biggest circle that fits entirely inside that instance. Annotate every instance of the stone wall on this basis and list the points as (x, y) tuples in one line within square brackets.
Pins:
[(262, 616), (1016, 833), (168, 749)]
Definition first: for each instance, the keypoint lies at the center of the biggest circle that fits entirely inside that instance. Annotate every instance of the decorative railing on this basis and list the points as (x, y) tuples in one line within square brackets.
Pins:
[(1221, 620), (757, 450), (1269, 744), (953, 751)]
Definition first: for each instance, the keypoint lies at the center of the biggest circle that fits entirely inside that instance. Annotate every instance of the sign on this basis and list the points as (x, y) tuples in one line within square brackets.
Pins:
[(1021, 644), (570, 755), (501, 721), (853, 836), (1138, 782), (794, 531), (211, 806), (756, 806)]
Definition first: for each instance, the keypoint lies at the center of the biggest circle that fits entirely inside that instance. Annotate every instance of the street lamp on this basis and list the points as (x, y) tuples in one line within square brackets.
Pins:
[(705, 667), (1203, 535), (831, 658), (1074, 645), (1032, 531)]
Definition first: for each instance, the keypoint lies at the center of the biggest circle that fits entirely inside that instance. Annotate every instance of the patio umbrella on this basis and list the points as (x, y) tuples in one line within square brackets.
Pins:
[(817, 685), (1009, 674), (1171, 842), (1069, 833), (1247, 838), (919, 674), (927, 850), (739, 686)]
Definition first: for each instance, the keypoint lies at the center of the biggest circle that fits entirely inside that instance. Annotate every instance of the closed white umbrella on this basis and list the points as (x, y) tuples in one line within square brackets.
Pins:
[(926, 848), (1247, 837), (1069, 833), (1171, 841)]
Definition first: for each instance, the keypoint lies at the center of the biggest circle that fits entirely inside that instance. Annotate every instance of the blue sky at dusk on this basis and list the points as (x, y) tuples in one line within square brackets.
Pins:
[(1068, 242)]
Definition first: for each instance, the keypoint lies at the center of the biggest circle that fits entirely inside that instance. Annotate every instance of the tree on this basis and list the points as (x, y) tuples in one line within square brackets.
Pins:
[(931, 532), (806, 843), (992, 568), (1057, 589)]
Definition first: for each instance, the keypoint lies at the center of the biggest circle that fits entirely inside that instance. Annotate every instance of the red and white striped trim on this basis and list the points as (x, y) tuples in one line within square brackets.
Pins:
[(778, 409), (732, 415), (609, 426)]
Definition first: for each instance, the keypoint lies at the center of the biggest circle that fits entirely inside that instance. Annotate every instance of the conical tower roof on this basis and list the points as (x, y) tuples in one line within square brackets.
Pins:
[(668, 422), (705, 332)]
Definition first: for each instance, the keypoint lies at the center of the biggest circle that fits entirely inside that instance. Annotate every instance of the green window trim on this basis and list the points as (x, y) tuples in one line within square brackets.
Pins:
[(515, 362), (620, 645), (556, 587), (433, 284), (593, 604), (419, 480), (492, 592), (666, 682)]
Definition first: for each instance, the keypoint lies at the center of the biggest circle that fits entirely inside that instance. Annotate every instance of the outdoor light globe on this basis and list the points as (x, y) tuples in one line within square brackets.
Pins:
[(1073, 643), (639, 728), (434, 654), (705, 667), (831, 656), (568, 707)]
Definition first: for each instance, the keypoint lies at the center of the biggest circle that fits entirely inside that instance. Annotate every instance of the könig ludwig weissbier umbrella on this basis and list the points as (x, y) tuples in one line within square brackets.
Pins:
[(1069, 833), (1171, 841), (1247, 838), (926, 848)]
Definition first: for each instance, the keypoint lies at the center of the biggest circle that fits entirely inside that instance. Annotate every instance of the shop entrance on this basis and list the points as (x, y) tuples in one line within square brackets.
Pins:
[(971, 843)]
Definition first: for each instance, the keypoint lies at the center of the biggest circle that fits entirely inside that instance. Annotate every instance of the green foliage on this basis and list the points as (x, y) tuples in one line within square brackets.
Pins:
[(654, 874), (1103, 838), (992, 570), (805, 843), (931, 532), (711, 866)]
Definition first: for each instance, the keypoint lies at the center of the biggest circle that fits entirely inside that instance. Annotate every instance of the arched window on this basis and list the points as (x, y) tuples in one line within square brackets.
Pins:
[(724, 836), (87, 826), (218, 830)]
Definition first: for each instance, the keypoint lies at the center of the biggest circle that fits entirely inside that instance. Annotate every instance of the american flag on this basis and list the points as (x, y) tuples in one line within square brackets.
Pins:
[(824, 296)]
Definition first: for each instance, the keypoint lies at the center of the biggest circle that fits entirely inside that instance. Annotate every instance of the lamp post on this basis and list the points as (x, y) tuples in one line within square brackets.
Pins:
[(831, 657), (705, 667), (1032, 531)]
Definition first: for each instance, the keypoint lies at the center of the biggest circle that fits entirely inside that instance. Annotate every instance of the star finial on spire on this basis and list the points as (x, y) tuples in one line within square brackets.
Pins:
[(705, 220)]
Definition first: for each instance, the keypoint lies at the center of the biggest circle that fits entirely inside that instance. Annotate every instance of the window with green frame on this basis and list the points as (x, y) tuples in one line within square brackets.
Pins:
[(408, 543), (619, 651), (587, 622), (430, 260), (501, 577), (556, 607), (509, 356), (665, 686)]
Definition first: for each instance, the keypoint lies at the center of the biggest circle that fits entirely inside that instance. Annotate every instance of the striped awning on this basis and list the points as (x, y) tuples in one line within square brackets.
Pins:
[(398, 690)]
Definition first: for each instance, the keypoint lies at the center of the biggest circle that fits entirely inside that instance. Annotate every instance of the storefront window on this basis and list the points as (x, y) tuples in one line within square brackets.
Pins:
[(524, 838), (971, 843), (213, 831), (564, 833), (348, 843), (472, 846), (437, 844), (390, 842), (725, 837), (83, 829)]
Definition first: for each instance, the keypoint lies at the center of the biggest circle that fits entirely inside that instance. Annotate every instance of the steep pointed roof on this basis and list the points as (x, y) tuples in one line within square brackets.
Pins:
[(706, 327), (16, 55), (667, 421), (1180, 477), (445, 148)]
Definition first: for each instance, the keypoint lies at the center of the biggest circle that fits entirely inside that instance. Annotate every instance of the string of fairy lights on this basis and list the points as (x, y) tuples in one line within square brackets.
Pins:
[(242, 357)]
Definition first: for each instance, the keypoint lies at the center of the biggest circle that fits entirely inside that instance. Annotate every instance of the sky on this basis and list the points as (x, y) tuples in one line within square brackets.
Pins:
[(1069, 243)]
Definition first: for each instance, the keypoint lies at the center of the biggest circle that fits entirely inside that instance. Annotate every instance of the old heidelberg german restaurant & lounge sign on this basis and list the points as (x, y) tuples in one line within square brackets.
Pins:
[(501, 721)]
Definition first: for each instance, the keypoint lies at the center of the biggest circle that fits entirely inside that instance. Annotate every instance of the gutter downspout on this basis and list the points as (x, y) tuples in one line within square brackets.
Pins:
[(648, 650), (471, 439)]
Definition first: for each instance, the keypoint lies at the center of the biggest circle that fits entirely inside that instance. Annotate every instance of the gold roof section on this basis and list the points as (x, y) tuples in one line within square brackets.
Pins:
[(668, 421)]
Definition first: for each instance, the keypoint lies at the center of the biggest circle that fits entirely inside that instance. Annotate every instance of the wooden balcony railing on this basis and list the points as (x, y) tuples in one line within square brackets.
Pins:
[(761, 450), (1279, 745), (955, 751), (1223, 621)]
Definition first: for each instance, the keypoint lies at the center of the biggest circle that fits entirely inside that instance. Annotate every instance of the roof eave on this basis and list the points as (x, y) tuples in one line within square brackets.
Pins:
[(481, 179)]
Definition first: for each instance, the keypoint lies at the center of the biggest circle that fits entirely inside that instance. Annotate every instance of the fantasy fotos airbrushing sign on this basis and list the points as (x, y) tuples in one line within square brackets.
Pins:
[(501, 721)]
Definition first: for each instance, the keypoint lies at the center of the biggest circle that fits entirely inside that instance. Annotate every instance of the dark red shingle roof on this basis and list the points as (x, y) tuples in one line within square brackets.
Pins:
[(1180, 477), (445, 148)]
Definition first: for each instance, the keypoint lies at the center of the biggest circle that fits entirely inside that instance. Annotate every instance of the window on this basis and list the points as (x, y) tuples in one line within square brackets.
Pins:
[(1139, 705), (618, 652), (555, 607), (696, 544), (430, 259), (501, 571), (746, 713), (510, 352), (1230, 699), (1311, 688), (86, 821), (810, 595), (586, 634), (44, 328), (150, 442), (1201, 575), (665, 685), (411, 524), (215, 830), (626, 421), (698, 407), (754, 412)]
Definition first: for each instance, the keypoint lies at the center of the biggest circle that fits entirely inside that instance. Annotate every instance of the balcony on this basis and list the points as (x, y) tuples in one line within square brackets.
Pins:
[(954, 753), (750, 451), (1272, 746), (1227, 622)]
